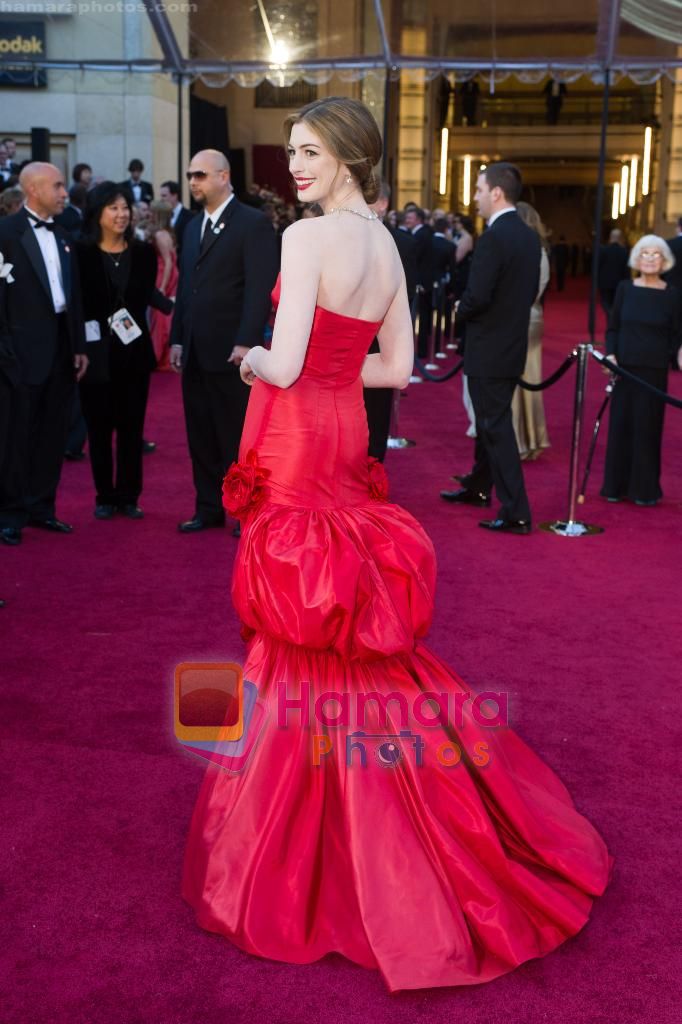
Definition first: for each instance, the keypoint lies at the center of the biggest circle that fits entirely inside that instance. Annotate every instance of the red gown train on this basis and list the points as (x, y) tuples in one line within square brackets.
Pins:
[(444, 853)]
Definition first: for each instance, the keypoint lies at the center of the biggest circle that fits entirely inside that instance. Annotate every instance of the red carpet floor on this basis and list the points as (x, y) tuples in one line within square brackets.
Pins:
[(96, 794)]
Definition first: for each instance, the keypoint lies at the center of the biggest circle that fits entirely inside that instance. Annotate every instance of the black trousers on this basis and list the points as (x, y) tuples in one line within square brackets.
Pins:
[(633, 452), (606, 297), (497, 455), (39, 420), (215, 408), (424, 308), (378, 405), (78, 430), (116, 406)]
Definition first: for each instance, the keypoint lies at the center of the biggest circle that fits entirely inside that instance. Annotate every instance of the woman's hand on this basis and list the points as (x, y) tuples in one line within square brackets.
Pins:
[(605, 366), (245, 371)]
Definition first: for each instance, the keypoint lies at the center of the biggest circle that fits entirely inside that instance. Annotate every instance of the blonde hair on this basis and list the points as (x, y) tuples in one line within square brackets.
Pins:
[(652, 242), (160, 215), (349, 132), (530, 216)]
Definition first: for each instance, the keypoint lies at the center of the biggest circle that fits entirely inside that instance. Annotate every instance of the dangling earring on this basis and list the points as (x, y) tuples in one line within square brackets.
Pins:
[(349, 179)]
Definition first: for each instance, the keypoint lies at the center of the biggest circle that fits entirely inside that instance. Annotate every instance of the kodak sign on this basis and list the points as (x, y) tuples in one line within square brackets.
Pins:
[(22, 42)]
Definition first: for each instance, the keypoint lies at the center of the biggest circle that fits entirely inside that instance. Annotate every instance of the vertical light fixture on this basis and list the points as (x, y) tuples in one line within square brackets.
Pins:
[(624, 188), (632, 198), (466, 182), (646, 162), (615, 201), (443, 181)]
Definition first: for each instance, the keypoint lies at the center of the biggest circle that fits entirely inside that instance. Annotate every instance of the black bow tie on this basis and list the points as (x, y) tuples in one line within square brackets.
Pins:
[(37, 223)]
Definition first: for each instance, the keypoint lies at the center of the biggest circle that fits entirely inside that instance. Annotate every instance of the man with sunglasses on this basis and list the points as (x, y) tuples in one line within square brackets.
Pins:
[(228, 267)]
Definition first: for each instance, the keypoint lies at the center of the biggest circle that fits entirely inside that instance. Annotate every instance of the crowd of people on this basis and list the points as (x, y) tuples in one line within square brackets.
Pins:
[(121, 283)]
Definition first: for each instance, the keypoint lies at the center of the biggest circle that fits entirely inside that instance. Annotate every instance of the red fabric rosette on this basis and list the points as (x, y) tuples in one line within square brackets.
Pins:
[(378, 481), (244, 486)]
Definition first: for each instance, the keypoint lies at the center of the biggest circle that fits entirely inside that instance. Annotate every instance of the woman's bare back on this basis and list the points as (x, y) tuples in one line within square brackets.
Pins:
[(360, 270)]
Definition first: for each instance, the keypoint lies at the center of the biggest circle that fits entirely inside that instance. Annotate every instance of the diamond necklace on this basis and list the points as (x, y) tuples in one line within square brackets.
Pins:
[(349, 209)]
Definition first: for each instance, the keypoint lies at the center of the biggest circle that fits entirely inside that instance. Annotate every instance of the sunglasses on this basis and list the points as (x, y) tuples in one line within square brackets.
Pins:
[(199, 175)]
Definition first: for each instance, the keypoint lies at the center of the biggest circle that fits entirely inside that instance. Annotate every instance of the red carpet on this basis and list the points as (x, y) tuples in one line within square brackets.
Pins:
[(96, 793)]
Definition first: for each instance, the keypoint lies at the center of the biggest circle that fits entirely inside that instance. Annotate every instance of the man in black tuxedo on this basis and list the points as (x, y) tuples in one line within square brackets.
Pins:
[(379, 401), (41, 325), (502, 285), (674, 276), (423, 237), (613, 268), (228, 269), (180, 217), (143, 191)]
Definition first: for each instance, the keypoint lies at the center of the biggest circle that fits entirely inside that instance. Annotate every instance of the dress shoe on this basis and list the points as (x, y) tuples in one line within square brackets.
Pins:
[(10, 535), (237, 531), (520, 526), (104, 511), (74, 456), (196, 524), (131, 511), (467, 497), (646, 504), (2, 603), (148, 447), (54, 524)]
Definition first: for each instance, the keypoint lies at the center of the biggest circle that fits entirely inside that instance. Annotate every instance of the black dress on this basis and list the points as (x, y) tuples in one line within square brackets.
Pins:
[(644, 335), (115, 388)]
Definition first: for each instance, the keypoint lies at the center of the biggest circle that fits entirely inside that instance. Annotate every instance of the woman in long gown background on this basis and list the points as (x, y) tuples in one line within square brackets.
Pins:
[(528, 407), (414, 838)]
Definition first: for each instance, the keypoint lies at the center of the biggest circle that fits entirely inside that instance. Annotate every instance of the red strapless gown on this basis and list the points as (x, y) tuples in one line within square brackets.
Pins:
[(434, 874)]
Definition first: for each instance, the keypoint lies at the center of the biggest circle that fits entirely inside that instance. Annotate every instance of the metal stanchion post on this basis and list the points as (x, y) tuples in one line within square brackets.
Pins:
[(570, 527), (440, 317), (394, 440), (430, 365), (415, 378)]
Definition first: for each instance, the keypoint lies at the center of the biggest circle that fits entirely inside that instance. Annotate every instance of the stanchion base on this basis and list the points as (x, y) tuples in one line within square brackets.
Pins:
[(451, 345), (415, 379), (400, 442), (431, 366), (571, 528), (441, 355)]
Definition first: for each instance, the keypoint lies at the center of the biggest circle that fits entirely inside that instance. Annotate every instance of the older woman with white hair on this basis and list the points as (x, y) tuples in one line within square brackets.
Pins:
[(644, 336)]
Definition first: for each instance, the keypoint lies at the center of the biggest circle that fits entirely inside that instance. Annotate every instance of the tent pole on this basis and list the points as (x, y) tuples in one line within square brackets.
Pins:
[(599, 206), (181, 146)]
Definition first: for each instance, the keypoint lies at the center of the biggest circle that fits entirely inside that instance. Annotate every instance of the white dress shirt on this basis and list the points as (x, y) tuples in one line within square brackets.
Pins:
[(500, 213), (215, 216), (48, 247), (175, 214)]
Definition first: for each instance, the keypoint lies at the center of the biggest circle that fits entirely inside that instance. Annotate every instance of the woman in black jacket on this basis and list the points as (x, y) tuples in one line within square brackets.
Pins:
[(118, 275), (644, 337)]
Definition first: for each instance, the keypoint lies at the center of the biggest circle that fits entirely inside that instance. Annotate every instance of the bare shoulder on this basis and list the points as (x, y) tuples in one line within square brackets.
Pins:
[(307, 228)]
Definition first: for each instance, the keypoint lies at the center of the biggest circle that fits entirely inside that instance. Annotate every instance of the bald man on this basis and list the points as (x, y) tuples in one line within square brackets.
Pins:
[(41, 325), (228, 268)]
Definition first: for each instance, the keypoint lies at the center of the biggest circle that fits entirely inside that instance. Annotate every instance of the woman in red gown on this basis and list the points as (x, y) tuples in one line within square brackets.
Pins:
[(380, 813)]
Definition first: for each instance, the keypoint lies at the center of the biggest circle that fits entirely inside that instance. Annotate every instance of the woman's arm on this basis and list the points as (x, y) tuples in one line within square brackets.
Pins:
[(391, 366), (164, 245), (281, 365), (464, 246)]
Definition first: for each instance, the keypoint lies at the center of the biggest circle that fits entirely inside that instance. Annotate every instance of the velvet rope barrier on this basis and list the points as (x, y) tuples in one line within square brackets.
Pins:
[(614, 368)]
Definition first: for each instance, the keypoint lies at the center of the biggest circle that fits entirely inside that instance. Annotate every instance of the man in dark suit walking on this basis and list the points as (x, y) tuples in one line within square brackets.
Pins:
[(613, 268), (423, 238), (503, 283), (228, 269), (41, 325), (674, 276), (180, 217)]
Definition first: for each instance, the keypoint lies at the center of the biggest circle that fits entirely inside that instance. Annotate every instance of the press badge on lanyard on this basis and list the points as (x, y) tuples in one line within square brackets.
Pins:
[(122, 323)]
